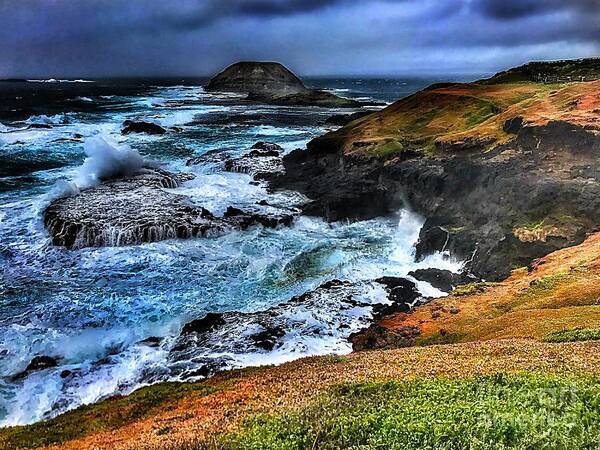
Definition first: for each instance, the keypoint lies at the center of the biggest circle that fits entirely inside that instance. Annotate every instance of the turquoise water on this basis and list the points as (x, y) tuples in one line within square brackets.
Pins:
[(90, 308)]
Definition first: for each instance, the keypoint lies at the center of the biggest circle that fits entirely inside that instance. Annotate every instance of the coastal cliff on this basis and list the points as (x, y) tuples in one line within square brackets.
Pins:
[(503, 172)]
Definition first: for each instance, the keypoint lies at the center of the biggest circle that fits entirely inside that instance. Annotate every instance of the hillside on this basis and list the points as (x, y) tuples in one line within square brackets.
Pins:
[(503, 172)]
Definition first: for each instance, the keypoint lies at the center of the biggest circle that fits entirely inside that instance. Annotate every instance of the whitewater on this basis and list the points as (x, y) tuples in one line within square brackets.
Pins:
[(93, 309)]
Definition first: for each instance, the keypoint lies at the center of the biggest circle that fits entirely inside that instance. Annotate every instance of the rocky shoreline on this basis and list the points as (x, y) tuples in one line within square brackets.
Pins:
[(496, 204)]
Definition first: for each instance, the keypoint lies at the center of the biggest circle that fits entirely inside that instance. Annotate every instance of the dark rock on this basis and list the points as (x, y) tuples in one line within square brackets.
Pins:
[(40, 125), (344, 119), (473, 201), (431, 239), (401, 292), (128, 211), (267, 338), (272, 83), (263, 162), (259, 78), (245, 219), (131, 126), (444, 280), (514, 125), (210, 157), (152, 341), (207, 323), (41, 363)]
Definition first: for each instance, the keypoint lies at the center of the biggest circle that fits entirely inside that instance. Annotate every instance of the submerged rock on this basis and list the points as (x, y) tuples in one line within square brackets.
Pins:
[(131, 126)]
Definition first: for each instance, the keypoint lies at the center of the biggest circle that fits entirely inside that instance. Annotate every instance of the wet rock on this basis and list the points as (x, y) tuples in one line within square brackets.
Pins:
[(265, 149), (40, 126), (402, 293), (444, 280), (128, 211), (41, 363), (210, 157), (131, 126), (267, 338), (37, 363), (207, 323), (247, 218), (152, 341), (263, 162), (221, 339)]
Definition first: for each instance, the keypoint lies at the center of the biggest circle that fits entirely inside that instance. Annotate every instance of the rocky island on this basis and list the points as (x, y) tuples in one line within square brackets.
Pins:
[(273, 83)]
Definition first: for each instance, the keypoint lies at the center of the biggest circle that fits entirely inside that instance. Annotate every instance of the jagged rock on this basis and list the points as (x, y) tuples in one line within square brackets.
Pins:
[(293, 323), (40, 363), (131, 126), (444, 280), (267, 338), (402, 293), (210, 157), (207, 323), (244, 219), (263, 162), (265, 149), (128, 211)]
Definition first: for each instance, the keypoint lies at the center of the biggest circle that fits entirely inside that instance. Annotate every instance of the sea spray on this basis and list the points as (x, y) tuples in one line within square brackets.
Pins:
[(107, 159)]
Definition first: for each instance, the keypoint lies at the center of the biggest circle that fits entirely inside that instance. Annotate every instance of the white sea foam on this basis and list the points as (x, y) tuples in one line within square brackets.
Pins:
[(54, 80), (57, 119), (107, 159)]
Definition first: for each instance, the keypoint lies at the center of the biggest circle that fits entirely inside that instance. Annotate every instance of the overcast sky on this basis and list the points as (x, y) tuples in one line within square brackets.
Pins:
[(93, 38)]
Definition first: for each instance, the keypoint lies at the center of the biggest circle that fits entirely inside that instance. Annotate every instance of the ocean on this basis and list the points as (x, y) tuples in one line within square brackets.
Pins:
[(92, 310)]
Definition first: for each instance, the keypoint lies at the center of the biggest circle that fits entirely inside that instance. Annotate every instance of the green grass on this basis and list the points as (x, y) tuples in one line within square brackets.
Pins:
[(525, 411), (104, 416), (575, 335)]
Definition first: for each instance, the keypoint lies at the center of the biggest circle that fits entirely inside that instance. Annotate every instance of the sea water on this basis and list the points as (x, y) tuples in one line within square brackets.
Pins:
[(91, 308)]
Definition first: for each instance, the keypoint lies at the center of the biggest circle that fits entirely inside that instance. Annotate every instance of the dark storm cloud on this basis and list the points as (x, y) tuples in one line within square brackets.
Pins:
[(158, 37), (515, 9)]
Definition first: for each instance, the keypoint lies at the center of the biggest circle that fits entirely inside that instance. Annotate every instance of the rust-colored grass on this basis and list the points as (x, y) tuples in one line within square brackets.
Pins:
[(195, 418), (473, 111)]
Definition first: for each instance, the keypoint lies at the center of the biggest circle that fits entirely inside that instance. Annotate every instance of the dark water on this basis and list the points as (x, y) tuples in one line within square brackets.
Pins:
[(90, 308)]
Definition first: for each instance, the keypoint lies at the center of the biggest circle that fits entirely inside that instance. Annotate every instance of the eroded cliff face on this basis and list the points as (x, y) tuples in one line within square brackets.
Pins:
[(502, 174)]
